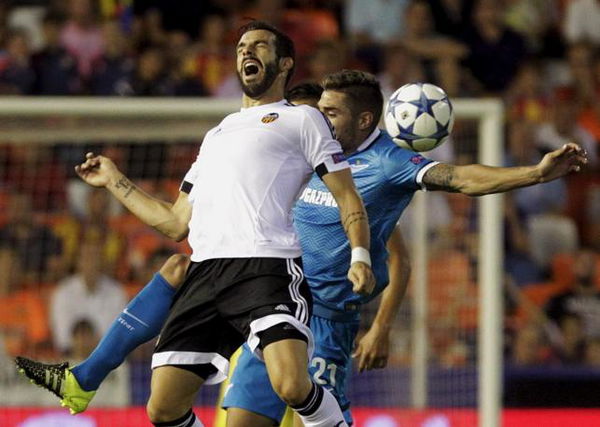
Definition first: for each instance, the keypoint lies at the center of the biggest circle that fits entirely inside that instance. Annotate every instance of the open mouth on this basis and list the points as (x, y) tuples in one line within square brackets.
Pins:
[(251, 67)]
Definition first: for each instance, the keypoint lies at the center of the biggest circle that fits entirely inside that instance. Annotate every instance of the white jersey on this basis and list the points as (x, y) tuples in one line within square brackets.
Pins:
[(247, 176)]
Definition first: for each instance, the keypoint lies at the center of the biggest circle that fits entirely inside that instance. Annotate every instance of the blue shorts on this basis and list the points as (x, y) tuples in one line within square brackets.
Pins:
[(330, 367)]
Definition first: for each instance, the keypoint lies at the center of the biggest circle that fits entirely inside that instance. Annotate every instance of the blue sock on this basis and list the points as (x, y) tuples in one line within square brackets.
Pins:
[(140, 321)]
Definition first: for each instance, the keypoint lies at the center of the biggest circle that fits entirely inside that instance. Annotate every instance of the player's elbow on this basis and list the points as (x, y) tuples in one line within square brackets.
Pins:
[(176, 232)]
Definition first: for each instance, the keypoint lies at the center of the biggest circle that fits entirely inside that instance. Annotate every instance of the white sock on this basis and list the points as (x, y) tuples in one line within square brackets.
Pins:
[(188, 420), (320, 409)]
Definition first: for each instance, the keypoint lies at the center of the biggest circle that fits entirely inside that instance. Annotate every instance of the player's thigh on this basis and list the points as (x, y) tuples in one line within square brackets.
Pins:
[(250, 391), (172, 392), (286, 358)]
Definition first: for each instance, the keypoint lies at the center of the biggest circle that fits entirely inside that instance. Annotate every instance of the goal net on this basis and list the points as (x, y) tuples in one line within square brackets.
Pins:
[(56, 232)]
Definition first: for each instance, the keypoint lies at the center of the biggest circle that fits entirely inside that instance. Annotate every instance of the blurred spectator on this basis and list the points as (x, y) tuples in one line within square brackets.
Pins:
[(572, 345), (528, 348), (533, 19), (592, 353), (522, 151), (439, 55), (583, 298), (81, 35), (589, 118), (518, 262), (328, 57), (16, 75), (375, 21), (23, 318), (451, 16), (495, 50), (180, 59), (114, 69), (582, 21), (28, 15), (89, 294), (371, 25), (214, 59), (563, 127), (93, 228), (581, 84), (55, 69), (84, 339), (399, 68), (150, 77), (38, 249), (148, 30), (527, 98)]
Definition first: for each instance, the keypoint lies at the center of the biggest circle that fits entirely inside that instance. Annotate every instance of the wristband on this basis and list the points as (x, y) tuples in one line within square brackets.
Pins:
[(360, 254)]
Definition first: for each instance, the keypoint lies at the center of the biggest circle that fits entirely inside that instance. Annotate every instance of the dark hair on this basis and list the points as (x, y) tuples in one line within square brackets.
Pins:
[(284, 46), (304, 91), (361, 87)]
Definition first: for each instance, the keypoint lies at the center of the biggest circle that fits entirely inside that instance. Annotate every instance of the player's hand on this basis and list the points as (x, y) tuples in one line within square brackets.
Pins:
[(96, 170), (373, 349), (361, 276), (569, 158)]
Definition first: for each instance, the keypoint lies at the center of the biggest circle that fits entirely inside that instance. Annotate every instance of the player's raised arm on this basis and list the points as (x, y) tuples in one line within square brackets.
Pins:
[(171, 219), (356, 225), (478, 180)]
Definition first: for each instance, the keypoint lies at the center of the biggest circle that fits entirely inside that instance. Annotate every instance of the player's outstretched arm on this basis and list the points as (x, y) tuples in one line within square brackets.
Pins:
[(372, 350), (171, 219), (356, 225), (478, 180)]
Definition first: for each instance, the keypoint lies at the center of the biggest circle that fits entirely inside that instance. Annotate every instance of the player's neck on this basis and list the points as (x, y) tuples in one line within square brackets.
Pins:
[(271, 95), (248, 102)]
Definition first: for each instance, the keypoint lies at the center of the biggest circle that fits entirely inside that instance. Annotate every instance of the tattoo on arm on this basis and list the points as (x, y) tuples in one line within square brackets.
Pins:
[(440, 177), (126, 185), (353, 217)]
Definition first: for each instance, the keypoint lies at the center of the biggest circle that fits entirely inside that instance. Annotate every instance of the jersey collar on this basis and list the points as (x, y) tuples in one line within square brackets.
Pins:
[(272, 104), (372, 137)]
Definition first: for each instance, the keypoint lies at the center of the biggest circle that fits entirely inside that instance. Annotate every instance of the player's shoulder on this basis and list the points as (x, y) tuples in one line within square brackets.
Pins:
[(386, 147)]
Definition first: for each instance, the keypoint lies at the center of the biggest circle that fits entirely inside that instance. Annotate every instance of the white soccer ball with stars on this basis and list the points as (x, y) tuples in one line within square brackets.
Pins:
[(419, 116)]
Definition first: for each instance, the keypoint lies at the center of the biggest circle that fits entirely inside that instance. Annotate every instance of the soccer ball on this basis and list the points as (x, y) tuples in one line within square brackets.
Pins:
[(419, 116)]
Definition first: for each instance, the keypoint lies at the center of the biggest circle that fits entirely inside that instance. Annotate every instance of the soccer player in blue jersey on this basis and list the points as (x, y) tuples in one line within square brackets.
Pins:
[(352, 101), (386, 176)]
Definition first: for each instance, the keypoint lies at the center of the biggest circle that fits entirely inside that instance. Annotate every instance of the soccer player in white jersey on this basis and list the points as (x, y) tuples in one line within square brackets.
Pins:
[(245, 282)]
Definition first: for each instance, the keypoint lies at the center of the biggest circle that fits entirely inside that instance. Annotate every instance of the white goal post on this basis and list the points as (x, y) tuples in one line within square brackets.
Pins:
[(75, 119), (490, 114)]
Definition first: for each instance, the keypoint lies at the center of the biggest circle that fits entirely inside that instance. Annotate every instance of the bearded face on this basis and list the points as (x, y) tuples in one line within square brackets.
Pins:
[(257, 62)]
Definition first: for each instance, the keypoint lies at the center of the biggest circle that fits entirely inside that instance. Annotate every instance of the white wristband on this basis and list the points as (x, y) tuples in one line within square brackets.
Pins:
[(360, 254)]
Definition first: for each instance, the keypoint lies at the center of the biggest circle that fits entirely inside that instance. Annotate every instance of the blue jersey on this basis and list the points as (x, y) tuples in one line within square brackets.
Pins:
[(386, 177)]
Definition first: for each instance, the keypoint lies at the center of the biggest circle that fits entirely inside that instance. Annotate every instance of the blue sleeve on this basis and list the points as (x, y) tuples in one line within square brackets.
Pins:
[(404, 168)]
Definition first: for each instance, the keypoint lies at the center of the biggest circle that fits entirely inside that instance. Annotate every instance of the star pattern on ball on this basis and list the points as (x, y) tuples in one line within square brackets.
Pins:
[(424, 104)]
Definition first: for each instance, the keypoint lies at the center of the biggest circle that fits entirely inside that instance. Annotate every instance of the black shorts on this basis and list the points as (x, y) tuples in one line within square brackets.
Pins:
[(224, 302)]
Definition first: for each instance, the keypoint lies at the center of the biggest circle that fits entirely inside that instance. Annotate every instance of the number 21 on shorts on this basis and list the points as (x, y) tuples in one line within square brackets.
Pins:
[(322, 366)]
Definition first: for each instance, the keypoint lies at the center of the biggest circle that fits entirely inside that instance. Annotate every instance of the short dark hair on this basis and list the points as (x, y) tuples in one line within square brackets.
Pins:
[(361, 87), (304, 91), (284, 46)]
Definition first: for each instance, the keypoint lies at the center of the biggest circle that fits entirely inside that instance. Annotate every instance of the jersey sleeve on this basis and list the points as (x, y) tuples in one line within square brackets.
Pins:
[(192, 174), (406, 169), (319, 144), (190, 178)]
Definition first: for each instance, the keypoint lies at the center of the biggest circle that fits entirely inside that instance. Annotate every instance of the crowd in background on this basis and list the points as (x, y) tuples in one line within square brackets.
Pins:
[(70, 258)]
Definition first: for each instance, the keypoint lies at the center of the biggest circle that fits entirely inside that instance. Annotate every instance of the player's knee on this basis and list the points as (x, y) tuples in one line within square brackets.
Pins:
[(174, 269), (291, 389), (162, 413)]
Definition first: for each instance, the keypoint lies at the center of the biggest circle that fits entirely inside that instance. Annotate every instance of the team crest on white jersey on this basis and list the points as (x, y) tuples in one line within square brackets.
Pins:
[(269, 118)]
